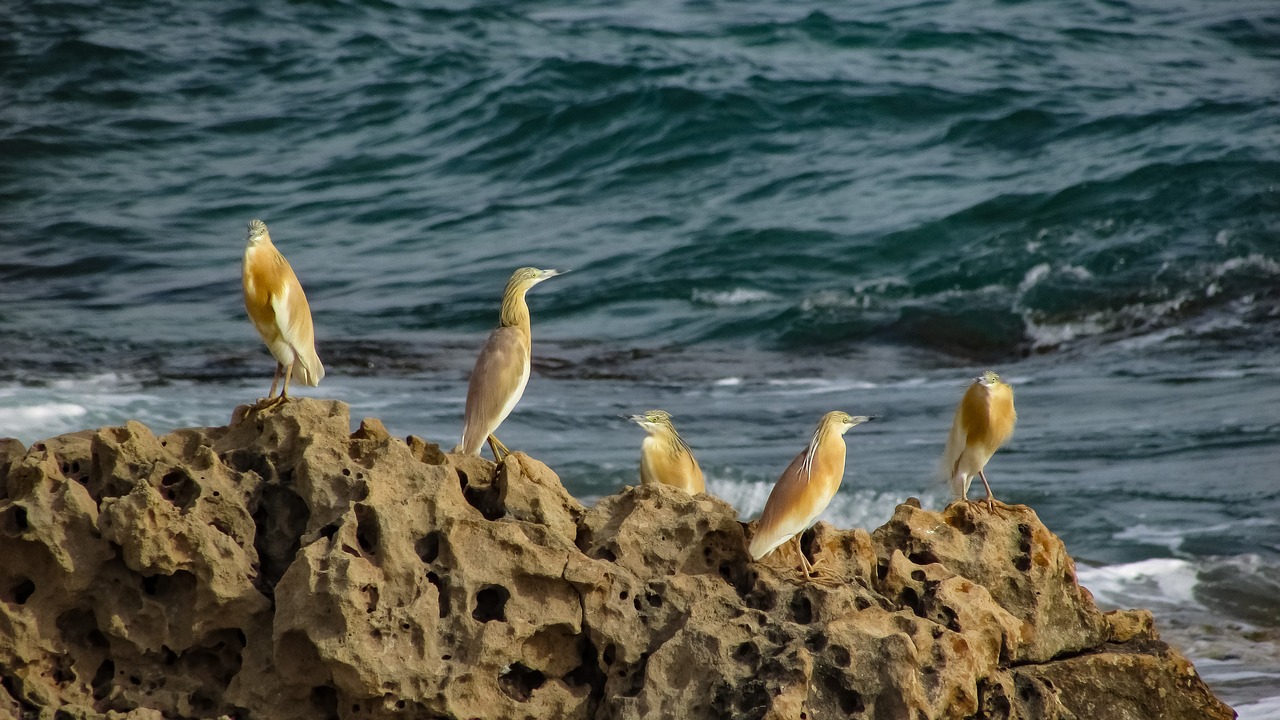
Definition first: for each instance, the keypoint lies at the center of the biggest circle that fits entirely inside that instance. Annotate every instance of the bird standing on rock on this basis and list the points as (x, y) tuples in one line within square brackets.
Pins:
[(279, 310), (665, 457), (984, 421), (502, 369), (805, 489)]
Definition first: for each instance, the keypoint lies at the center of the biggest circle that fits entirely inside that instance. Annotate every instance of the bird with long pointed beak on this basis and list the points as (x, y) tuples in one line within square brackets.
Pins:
[(502, 369), (984, 421), (665, 457), (805, 489), (279, 310)]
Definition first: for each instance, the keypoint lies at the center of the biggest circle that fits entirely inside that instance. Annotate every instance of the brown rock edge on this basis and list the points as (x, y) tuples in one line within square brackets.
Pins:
[(284, 567)]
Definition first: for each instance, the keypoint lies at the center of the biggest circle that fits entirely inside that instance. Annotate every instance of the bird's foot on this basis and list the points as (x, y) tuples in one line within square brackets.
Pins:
[(989, 505), (820, 573), (268, 403)]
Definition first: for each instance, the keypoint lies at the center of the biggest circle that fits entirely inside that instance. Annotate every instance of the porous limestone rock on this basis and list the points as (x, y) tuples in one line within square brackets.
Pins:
[(286, 567)]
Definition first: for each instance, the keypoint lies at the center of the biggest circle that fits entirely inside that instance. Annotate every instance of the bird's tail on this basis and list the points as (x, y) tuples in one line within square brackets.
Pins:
[(308, 368)]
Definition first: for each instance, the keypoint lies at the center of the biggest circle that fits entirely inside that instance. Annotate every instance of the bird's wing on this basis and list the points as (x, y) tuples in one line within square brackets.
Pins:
[(497, 382), (970, 418), (786, 512), (293, 318)]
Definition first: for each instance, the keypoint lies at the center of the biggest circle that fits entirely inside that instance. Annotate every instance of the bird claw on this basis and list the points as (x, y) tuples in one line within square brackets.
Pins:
[(267, 403), (820, 574)]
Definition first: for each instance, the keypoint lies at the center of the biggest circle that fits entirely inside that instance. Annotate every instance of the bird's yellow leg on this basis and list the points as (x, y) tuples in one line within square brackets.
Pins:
[(991, 500), (500, 451), (284, 391), (270, 400), (816, 572), (275, 380)]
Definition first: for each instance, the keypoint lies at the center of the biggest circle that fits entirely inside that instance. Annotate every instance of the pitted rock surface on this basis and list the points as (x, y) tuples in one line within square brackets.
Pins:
[(286, 567)]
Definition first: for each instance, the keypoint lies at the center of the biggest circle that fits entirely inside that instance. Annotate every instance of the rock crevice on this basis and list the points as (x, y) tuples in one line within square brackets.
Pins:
[(285, 567)]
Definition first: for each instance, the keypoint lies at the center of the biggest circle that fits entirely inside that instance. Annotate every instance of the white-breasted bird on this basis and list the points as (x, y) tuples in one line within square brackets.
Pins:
[(278, 308), (805, 489), (984, 421), (665, 457), (502, 368)]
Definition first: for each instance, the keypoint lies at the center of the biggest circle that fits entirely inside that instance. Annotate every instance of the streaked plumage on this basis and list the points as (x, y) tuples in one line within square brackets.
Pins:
[(279, 310), (805, 488), (665, 457), (502, 369), (984, 421)]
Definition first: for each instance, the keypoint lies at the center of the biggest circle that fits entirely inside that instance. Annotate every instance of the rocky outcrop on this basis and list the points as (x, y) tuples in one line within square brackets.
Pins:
[(285, 567)]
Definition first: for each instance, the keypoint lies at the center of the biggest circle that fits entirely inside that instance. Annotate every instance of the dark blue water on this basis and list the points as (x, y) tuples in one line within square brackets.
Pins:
[(769, 211)]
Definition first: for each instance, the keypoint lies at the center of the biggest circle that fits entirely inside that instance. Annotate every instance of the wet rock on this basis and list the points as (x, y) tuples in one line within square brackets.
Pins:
[(286, 567)]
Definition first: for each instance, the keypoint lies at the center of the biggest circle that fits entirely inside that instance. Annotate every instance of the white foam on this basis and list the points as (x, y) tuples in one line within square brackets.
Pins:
[(44, 412), (1264, 709), (850, 508), (728, 382), (1155, 582), (736, 296)]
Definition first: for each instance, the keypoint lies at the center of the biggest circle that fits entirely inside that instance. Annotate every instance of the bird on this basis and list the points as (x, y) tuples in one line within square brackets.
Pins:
[(805, 489), (502, 368), (278, 308), (665, 457), (984, 421)]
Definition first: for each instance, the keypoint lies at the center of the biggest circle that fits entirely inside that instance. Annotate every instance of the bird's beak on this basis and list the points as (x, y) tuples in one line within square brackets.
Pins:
[(859, 419), (547, 274), (639, 420)]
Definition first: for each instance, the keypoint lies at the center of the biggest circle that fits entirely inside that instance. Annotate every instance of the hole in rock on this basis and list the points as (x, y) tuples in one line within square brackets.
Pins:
[(428, 547), (801, 609), (280, 518), (654, 599), (346, 472), (442, 591), (178, 488), (1023, 562), (491, 604), (367, 533), (101, 683), (610, 652), (518, 682), (861, 603), (747, 653), (849, 700), (816, 641), (840, 655), (22, 591), (911, 599), (13, 522), (324, 702), (923, 557), (484, 498), (918, 575), (588, 673)]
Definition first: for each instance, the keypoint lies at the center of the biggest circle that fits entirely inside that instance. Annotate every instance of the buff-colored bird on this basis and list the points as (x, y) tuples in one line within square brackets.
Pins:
[(984, 421), (805, 489), (502, 369), (279, 310), (665, 457)]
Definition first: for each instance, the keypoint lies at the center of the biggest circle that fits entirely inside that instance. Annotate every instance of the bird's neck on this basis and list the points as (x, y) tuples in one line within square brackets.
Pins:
[(515, 312)]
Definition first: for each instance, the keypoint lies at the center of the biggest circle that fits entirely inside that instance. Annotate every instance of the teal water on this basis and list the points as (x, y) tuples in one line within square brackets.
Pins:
[(769, 211)]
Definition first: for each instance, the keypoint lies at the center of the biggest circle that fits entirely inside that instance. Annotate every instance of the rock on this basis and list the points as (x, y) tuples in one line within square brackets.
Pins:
[(286, 567)]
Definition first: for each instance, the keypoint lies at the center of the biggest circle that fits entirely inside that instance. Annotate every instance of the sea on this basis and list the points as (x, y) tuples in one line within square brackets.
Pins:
[(767, 210)]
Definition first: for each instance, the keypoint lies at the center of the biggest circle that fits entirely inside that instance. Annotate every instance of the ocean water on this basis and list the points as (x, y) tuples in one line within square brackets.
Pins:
[(768, 210)]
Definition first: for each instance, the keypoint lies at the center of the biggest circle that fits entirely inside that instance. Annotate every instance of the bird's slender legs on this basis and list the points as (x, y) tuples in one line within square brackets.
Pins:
[(271, 400), (813, 571), (274, 380), (500, 451), (991, 504)]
